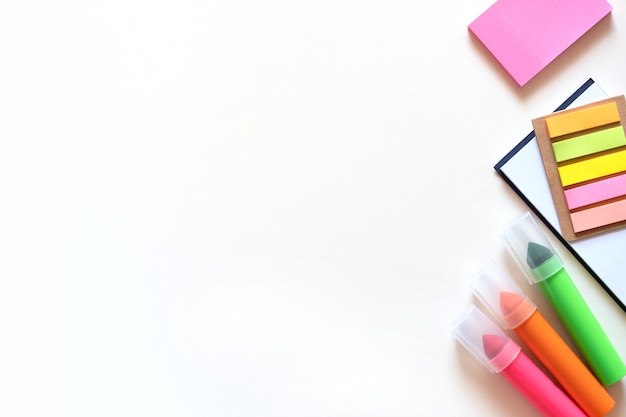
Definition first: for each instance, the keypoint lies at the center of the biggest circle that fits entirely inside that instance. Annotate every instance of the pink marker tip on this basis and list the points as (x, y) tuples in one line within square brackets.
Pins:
[(493, 344)]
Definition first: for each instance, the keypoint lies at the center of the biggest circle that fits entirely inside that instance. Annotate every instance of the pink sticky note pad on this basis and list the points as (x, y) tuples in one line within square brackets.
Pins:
[(526, 35)]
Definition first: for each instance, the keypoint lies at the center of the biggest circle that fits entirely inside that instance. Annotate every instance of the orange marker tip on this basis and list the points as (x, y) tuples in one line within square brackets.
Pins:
[(509, 301)]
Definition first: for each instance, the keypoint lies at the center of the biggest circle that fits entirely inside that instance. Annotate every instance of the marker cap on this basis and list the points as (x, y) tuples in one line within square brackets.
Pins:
[(501, 295), (530, 249), (485, 340)]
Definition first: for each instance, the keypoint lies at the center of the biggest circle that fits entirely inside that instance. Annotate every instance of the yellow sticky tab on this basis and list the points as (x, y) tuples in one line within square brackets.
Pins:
[(593, 168), (577, 120)]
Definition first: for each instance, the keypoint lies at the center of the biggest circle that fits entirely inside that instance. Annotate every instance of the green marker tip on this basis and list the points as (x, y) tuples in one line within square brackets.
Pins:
[(537, 254)]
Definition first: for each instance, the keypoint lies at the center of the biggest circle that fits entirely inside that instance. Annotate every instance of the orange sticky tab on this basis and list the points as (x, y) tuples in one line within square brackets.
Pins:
[(599, 216), (586, 118)]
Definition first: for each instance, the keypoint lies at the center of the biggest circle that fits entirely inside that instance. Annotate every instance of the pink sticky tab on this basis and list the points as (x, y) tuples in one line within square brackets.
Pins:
[(526, 35), (596, 192)]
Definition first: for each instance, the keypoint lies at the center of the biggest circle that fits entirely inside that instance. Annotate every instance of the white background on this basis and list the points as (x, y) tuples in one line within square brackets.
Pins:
[(246, 208)]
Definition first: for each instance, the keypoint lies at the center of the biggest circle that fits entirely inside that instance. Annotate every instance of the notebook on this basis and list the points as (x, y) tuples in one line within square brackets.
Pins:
[(522, 168)]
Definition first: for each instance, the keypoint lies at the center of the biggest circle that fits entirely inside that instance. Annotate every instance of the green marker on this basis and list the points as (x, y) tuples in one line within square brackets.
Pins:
[(535, 256)]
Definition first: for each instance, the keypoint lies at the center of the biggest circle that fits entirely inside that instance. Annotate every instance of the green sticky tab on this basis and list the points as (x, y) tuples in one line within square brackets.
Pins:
[(589, 144)]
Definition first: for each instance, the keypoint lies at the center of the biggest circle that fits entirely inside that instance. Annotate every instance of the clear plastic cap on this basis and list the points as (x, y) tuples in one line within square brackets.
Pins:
[(485, 340), (531, 249), (501, 295)]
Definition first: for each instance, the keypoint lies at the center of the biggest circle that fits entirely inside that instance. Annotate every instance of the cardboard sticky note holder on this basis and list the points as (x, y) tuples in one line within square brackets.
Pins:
[(584, 154), (526, 35)]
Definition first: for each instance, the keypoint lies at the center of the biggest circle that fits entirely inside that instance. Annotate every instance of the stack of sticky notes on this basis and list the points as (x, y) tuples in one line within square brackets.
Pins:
[(584, 154), (526, 35)]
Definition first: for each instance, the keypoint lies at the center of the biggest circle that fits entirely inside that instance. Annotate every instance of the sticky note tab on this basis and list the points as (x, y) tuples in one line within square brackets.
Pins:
[(575, 121), (596, 192), (588, 144), (526, 35), (593, 168), (599, 216)]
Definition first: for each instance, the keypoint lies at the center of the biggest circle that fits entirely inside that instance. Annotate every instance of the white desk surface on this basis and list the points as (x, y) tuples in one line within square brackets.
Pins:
[(243, 208)]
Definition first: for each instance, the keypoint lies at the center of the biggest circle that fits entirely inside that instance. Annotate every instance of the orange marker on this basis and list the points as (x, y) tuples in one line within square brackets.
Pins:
[(517, 312)]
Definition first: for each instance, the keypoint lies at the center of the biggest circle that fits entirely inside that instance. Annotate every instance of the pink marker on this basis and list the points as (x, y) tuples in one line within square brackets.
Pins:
[(499, 354)]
